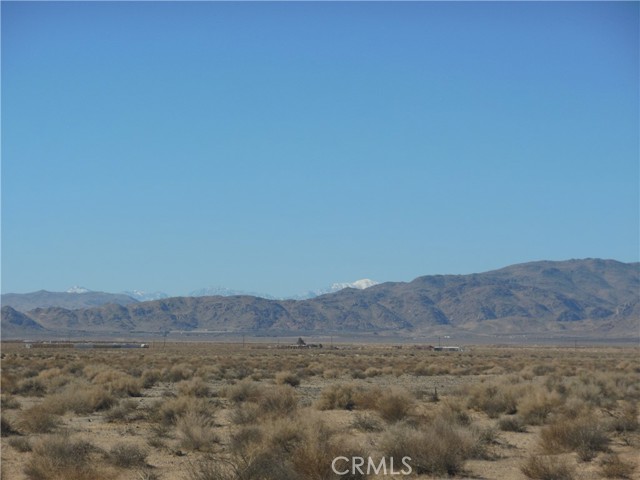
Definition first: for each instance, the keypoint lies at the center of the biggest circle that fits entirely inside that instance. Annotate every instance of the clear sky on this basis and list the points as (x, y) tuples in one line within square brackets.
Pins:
[(281, 147)]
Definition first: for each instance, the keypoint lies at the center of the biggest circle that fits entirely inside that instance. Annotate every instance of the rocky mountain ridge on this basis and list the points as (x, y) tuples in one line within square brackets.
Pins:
[(575, 297)]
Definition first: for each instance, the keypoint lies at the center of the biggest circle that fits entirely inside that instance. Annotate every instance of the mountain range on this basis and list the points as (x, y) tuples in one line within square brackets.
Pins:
[(586, 298), (81, 297)]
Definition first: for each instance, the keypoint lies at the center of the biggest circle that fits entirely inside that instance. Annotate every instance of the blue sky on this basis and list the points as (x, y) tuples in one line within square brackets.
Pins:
[(281, 147)]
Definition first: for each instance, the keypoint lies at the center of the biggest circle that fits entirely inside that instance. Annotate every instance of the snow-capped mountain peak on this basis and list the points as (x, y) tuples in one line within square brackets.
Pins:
[(358, 284), (77, 289), (143, 296)]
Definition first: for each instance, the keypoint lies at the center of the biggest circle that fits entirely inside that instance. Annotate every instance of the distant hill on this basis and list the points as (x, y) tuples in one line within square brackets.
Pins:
[(598, 298), (76, 298)]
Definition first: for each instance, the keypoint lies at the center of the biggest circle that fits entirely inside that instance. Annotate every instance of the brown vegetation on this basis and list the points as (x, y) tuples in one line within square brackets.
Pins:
[(220, 412)]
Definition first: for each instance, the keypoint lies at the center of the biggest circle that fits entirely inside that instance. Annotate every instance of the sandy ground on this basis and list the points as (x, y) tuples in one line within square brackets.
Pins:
[(170, 462)]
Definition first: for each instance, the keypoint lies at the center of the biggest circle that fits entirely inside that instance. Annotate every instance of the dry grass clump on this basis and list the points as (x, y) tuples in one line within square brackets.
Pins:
[(278, 450), (512, 423), (287, 378), (347, 396), (125, 411), (196, 432), (21, 444), (535, 407), (38, 419), (394, 404), (196, 387), (9, 402), (171, 409), (150, 377), (30, 387), (245, 413), (542, 467), (79, 399), (612, 466), (583, 435), (278, 401), (60, 457), (439, 448), (454, 411), (245, 390), (6, 427), (177, 373), (366, 422), (493, 399), (126, 455), (627, 419)]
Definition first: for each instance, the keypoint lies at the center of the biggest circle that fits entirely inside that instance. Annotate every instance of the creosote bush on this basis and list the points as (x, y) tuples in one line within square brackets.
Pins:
[(612, 466), (127, 455), (585, 436), (541, 467), (60, 457), (394, 404), (438, 448), (196, 432)]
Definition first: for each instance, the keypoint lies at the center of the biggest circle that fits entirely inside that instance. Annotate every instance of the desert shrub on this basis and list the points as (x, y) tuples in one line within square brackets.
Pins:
[(126, 385), (60, 457), (287, 378), (311, 458), (38, 419), (278, 401), (282, 449), (115, 381), (245, 413), (372, 372), (178, 372), (150, 377), (612, 466), (481, 441), (627, 419), (21, 444), (536, 407), (243, 391), (172, 408), (540, 467), (337, 396), (439, 448), (6, 427), (9, 402), (512, 423), (30, 387), (79, 399), (127, 455), (124, 411), (245, 440), (54, 378), (196, 387), (367, 422), (585, 436), (211, 468), (394, 404), (196, 432), (493, 400), (453, 411), (358, 374)]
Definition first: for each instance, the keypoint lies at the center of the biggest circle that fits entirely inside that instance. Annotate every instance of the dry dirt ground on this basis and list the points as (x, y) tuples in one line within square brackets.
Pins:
[(568, 384)]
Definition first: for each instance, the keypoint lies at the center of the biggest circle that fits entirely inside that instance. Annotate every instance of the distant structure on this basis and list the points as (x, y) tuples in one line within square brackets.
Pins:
[(447, 349), (302, 344), (84, 345)]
